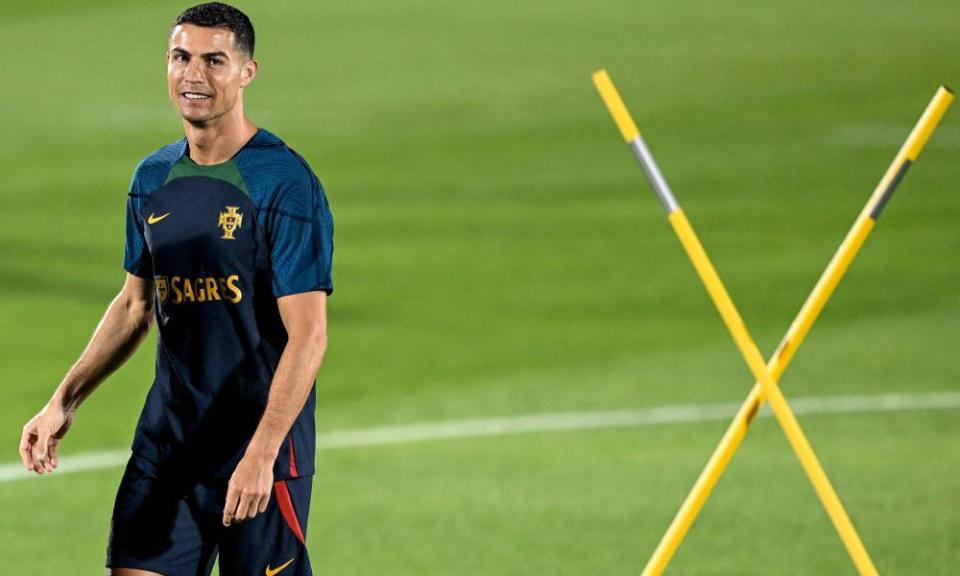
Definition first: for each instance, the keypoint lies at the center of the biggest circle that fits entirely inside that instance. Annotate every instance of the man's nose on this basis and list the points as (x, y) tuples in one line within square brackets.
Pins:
[(194, 71)]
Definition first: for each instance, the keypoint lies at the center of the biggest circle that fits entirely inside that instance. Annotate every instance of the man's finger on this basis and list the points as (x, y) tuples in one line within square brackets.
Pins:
[(48, 458), (263, 503), (242, 507), (230, 507), (256, 506), (54, 461), (40, 447), (248, 505), (26, 449)]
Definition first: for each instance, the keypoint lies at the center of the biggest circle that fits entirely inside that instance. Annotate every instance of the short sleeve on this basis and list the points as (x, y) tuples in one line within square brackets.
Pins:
[(300, 237), (136, 258)]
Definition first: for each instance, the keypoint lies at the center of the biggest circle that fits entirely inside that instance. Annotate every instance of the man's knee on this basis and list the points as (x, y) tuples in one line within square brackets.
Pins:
[(130, 572)]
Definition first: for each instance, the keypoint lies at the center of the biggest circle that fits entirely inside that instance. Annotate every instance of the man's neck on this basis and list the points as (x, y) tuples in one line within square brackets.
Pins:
[(218, 142)]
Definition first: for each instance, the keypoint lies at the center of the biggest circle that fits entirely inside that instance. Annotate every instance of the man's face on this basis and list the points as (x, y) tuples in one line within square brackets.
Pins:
[(205, 72)]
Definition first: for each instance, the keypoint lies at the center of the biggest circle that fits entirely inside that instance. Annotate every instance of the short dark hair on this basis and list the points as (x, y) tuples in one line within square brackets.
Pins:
[(219, 15)]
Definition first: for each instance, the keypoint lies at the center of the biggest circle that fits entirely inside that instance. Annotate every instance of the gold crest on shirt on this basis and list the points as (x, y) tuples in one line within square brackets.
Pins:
[(230, 221), (163, 288)]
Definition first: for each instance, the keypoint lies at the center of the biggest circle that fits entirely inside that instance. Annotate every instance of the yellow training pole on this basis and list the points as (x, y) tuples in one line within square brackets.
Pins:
[(798, 331), (734, 323)]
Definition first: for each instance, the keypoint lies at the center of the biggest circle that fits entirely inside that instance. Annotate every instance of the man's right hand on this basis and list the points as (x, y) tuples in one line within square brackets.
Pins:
[(119, 333), (38, 444)]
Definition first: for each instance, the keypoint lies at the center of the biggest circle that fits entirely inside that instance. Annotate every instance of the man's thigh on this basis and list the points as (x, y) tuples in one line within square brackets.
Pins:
[(155, 529)]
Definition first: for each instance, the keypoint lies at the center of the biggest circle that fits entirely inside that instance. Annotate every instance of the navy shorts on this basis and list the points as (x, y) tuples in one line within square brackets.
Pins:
[(175, 528)]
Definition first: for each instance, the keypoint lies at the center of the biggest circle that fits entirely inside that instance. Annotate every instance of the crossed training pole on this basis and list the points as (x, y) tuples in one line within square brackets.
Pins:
[(766, 388)]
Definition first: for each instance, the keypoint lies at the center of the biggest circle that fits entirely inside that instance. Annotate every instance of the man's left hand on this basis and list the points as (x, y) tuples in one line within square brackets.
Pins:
[(248, 491)]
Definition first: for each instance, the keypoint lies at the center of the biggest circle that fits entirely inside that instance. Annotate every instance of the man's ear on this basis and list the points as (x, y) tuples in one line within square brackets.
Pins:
[(248, 72)]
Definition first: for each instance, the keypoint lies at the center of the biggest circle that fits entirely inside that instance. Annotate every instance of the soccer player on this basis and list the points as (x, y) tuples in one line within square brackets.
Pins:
[(228, 248)]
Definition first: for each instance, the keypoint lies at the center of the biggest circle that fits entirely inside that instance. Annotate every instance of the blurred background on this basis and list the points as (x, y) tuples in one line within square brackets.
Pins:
[(499, 254)]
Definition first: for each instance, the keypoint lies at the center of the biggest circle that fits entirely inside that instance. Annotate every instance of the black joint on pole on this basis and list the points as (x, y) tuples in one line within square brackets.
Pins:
[(753, 412), (882, 202)]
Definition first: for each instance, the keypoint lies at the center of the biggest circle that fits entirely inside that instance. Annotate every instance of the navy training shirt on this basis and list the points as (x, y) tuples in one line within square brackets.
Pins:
[(222, 243)]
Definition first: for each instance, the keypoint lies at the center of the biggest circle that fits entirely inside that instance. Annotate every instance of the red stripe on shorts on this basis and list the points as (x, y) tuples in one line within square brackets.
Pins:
[(286, 508), (293, 459)]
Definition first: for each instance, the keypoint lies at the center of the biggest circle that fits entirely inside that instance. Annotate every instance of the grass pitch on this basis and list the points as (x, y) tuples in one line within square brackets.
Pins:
[(498, 253)]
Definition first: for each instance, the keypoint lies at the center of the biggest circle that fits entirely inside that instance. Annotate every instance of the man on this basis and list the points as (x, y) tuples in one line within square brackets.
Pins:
[(229, 247)]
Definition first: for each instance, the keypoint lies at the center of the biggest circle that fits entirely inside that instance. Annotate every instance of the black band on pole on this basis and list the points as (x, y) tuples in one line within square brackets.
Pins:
[(882, 202)]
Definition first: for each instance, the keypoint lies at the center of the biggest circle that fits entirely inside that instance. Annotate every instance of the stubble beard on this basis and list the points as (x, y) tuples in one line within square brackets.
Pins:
[(206, 121)]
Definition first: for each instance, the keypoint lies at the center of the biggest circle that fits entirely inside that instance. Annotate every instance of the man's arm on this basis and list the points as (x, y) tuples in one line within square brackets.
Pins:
[(305, 318), (119, 333)]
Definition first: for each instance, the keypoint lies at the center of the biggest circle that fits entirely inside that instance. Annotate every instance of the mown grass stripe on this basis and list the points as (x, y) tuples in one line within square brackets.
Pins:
[(554, 422)]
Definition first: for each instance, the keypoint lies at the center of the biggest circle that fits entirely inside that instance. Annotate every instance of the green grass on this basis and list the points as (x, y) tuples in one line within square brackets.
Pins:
[(498, 253)]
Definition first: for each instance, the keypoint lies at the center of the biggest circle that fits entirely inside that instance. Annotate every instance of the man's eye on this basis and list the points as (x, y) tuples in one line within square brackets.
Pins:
[(216, 62), (180, 57)]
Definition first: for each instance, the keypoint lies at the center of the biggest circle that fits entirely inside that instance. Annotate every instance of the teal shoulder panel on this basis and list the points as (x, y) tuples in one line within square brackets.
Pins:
[(227, 172)]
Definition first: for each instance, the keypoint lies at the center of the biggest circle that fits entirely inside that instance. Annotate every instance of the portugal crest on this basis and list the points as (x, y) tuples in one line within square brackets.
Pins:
[(230, 221), (163, 288)]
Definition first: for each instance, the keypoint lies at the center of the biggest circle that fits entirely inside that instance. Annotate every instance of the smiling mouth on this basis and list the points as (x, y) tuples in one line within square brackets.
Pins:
[(195, 95)]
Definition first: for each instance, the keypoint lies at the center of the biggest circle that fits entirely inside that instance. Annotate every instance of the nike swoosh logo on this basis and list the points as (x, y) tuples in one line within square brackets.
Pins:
[(154, 219), (274, 571)]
